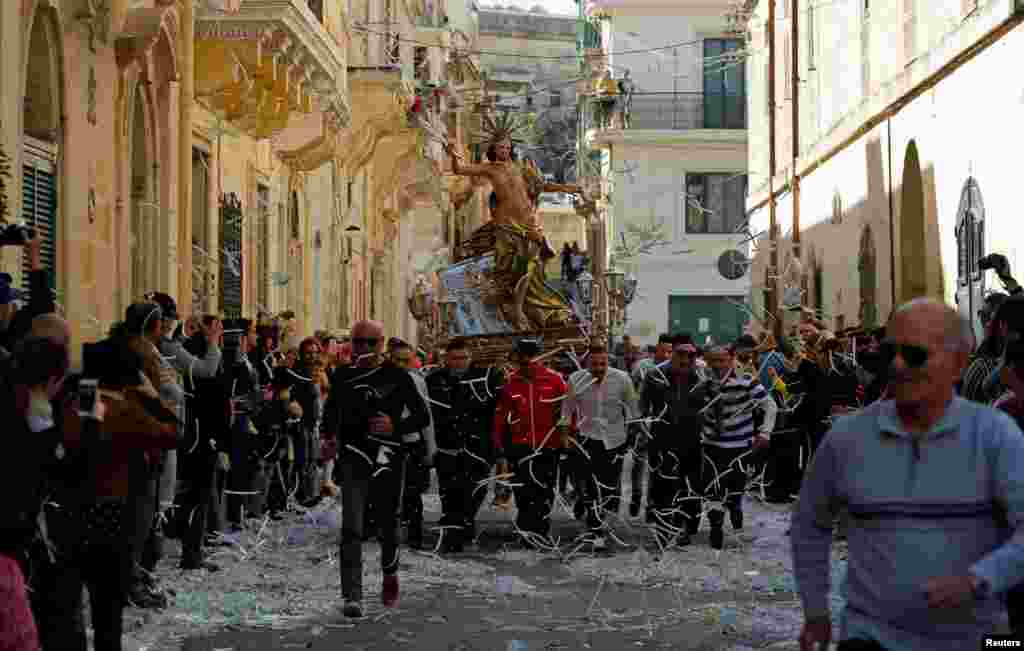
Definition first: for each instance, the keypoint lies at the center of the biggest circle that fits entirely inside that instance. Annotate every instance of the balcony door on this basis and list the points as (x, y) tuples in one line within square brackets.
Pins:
[(725, 84)]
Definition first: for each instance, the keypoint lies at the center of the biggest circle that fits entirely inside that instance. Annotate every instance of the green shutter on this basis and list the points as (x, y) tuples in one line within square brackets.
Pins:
[(39, 210), (231, 256)]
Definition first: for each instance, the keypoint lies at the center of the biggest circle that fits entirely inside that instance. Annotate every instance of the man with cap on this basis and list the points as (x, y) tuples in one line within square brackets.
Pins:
[(529, 433), (198, 460)]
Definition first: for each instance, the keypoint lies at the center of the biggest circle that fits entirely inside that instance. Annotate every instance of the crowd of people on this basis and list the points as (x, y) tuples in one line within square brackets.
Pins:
[(183, 429)]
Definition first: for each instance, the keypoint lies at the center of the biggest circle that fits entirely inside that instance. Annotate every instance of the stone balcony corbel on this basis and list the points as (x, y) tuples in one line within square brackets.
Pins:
[(271, 67)]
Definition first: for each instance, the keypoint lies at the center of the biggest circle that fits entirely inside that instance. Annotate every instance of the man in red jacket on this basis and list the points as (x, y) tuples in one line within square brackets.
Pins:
[(528, 433)]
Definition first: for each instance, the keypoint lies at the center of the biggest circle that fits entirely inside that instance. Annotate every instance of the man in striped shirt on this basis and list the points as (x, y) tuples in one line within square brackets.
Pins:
[(729, 434)]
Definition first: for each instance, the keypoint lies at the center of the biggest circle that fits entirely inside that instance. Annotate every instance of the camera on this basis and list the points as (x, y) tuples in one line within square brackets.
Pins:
[(994, 261), (16, 234), (87, 398)]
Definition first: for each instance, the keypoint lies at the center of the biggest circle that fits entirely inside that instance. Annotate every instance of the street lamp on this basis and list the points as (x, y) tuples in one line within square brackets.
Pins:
[(614, 282), (421, 305), (585, 293)]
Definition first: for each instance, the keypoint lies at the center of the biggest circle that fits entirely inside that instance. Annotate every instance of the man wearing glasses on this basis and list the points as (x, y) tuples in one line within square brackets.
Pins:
[(933, 486), (365, 414)]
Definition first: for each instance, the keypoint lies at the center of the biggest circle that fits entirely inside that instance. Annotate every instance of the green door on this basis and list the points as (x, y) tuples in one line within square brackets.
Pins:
[(700, 316)]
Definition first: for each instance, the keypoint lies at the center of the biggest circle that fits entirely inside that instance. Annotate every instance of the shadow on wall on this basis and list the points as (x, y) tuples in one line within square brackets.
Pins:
[(933, 236)]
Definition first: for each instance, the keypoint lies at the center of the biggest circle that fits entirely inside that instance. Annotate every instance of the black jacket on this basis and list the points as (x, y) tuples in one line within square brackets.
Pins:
[(26, 467), (815, 403), (206, 409), (303, 391), (471, 400), (358, 394), (674, 410)]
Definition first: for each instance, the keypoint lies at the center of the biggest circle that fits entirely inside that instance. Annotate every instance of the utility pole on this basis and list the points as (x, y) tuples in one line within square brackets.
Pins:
[(773, 225)]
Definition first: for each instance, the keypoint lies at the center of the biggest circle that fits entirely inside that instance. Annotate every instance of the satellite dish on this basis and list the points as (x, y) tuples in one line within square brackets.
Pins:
[(733, 264)]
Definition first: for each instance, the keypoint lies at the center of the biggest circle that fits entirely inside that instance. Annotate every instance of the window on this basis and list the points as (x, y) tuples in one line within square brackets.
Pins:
[(231, 263), (293, 216), (725, 84), (868, 279), (787, 68), (865, 49), (39, 205), (715, 203), (554, 98), (909, 30), (811, 28), (819, 289), (262, 246), (421, 67)]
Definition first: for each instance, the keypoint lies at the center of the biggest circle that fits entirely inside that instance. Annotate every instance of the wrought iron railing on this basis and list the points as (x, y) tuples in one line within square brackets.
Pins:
[(673, 110)]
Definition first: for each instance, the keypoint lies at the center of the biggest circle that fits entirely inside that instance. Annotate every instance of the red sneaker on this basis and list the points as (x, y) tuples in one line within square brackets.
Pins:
[(389, 592)]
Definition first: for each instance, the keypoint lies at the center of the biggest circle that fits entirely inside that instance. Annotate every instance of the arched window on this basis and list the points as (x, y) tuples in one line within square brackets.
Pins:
[(819, 290), (867, 266), (293, 216)]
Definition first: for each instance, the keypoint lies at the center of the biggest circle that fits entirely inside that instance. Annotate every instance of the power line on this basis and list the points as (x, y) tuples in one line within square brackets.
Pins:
[(395, 37)]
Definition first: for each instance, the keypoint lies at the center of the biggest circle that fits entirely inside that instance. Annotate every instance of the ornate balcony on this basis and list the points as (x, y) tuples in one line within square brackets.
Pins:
[(269, 66)]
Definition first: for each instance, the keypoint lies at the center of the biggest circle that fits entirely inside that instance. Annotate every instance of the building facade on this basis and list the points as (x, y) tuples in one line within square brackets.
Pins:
[(531, 66), (243, 157), (678, 166), (895, 181)]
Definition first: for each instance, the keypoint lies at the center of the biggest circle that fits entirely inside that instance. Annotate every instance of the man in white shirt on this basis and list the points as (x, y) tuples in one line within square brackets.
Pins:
[(600, 402)]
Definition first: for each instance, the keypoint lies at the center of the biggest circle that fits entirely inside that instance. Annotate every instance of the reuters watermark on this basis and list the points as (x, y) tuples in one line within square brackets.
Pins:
[(1002, 642)]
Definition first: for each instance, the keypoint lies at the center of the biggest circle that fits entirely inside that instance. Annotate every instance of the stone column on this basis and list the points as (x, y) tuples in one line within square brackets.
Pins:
[(186, 54)]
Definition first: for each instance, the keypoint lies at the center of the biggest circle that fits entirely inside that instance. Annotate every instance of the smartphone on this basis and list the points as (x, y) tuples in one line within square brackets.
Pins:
[(88, 390)]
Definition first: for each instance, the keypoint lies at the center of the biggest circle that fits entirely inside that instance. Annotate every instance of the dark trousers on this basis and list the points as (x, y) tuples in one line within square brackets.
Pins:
[(241, 478), (101, 566), (723, 479), (417, 481), (458, 477), (598, 474), (674, 497), (1015, 608), (783, 474), (535, 476), (198, 472), (306, 448), (636, 475), (362, 484), (144, 538)]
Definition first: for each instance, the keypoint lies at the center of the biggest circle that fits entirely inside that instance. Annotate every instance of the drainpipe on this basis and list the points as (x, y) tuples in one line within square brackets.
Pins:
[(773, 225), (892, 223), (186, 54), (795, 131)]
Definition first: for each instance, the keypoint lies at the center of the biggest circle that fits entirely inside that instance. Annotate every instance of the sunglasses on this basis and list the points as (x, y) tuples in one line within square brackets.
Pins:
[(913, 356), (370, 342)]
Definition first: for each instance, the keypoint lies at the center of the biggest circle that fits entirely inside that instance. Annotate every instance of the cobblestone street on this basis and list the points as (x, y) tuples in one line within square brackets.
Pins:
[(279, 590)]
